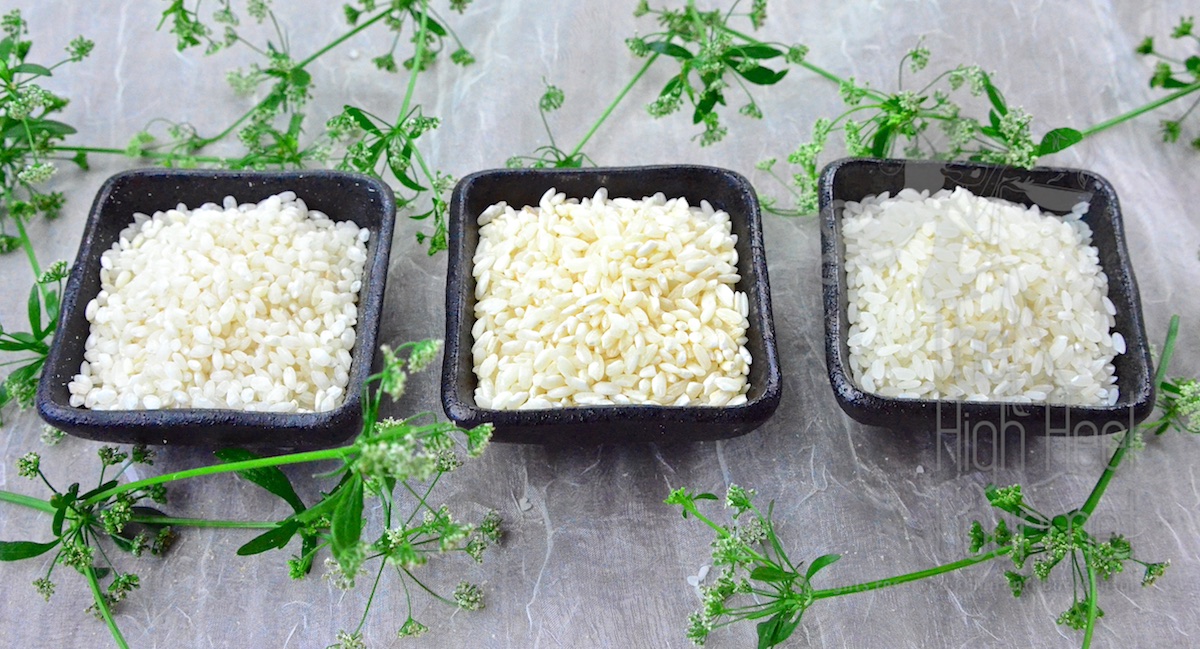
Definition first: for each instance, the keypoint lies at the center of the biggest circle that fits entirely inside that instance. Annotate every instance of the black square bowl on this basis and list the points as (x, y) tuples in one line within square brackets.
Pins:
[(593, 425), (342, 196), (1053, 190)]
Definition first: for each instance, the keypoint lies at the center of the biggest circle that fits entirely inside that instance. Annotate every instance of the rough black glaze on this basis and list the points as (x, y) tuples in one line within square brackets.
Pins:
[(725, 190), (342, 196), (1053, 189)]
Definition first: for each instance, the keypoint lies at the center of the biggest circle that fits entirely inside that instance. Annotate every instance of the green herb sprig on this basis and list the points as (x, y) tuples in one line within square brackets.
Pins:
[(1181, 76), (28, 135), (396, 462), (756, 567)]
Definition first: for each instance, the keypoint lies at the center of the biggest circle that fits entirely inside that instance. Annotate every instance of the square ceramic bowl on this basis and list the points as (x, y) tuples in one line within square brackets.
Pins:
[(342, 196), (1053, 190), (593, 425)]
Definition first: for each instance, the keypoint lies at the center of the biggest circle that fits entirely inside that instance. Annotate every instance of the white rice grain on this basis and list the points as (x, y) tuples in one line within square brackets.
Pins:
[(634, 301), (249, 307), (956, 296)]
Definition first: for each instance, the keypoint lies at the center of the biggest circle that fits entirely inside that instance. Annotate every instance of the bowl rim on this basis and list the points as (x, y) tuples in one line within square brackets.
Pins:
[(244, 427), (866, 407), (464, 410)]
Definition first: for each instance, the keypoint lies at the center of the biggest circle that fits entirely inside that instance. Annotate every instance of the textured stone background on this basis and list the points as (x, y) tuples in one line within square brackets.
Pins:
[(592, 558)]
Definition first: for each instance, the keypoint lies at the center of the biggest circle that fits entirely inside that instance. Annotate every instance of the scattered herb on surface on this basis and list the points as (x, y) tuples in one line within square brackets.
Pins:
[(759, 582), (397, 463)]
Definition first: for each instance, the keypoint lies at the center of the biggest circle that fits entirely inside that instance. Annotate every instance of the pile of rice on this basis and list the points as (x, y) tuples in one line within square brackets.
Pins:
[(954, 296), (598, 301), (248, 307)]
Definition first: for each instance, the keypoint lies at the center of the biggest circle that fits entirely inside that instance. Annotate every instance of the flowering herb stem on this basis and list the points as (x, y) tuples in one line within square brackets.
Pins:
[(912, 576), (612, 106), (203, 522), (1140, 110), (1118, 455), (103, 608), (26, 501), (280, 460)]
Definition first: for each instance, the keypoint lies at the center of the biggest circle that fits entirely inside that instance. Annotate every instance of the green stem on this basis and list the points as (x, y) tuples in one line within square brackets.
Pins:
[(26, 501), (344, 37), (612, 106), (155, 155), (312, 57), (418, 56), (912, 576), (1124, 117), (204, 522), (808, 66), (1092, 610), (371, 598), (102, 606), (27, 245), (294, 458), (1109, 471)]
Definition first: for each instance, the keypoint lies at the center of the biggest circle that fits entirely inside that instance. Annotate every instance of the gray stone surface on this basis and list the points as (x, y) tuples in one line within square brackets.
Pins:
[(592, 558)]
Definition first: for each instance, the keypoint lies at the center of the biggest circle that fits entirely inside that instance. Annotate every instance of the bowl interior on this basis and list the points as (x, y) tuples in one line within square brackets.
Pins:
[(1053, 190), (366, 201), (723, 189)]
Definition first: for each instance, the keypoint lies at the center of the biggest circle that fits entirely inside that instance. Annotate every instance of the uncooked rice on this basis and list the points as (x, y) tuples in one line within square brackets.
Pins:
[(955, 296), (599, 301), (247, 307)]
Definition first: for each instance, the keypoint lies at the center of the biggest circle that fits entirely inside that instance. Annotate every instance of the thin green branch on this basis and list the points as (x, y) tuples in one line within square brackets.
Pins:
[(1092, 610), (203, 522), (912, 576), (1125, 117), (1160, 375), (612, 106), (102, 606), (280, 460), (26, 501)]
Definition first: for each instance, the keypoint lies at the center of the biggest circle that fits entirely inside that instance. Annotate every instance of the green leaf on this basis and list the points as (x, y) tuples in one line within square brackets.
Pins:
[(51, 312), (81, 160), (707, 102), (430, 24), (17, 345), (881, 146), (32, 68), (760, 75), (772, 574), (670, 49), (361, 119), (300, 77), (34, 310), (269, 478), (1193, 64), (820, 563), (346, 526), (705, 496), (52, 127), (754, 52), (17, 550), (60, 515), (6, 47), (1059, 139), (326, 505), (104, 487), (1172, 82), (671, 86), (273, 539), (769, 630), (994, 96)]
